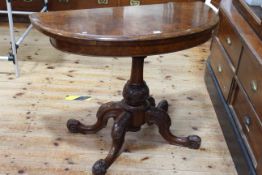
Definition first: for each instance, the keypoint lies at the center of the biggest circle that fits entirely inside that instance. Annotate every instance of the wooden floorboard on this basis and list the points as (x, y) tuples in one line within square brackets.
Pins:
[(33, 113)]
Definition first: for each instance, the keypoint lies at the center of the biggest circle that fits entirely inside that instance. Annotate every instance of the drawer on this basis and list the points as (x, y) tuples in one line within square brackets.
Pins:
[(24, 5), (220, 65), (56, 5), (229, 39), (250, 124), (250, 76)]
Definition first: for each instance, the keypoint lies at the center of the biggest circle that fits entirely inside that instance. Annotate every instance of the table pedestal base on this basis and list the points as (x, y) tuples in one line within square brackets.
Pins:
[(136, 109)]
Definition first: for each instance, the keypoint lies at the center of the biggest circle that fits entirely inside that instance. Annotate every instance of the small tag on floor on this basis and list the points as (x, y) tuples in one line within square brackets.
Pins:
[(77, 98)]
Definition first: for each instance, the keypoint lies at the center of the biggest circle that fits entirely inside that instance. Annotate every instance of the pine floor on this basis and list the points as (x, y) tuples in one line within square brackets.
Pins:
[(33, 113)]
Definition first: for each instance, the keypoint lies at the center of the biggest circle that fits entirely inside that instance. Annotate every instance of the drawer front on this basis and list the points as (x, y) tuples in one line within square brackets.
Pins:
[(24, 5), (220, 65), (250, 124), (56, 5), (250, 76), (229, 39)]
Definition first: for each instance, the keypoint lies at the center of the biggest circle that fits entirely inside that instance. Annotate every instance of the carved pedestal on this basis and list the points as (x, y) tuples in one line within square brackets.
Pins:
[(136, 109)]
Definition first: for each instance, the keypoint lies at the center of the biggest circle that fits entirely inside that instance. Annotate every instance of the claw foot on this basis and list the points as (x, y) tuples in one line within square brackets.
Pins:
[(73, 125), (99, 168), (194, 141), (163, 104)]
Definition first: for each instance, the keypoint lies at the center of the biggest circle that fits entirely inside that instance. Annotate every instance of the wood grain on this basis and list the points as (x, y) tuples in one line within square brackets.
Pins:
[(129, 31)]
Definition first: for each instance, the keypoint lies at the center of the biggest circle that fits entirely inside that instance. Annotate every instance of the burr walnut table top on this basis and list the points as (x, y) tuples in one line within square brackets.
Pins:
[(128, 31)]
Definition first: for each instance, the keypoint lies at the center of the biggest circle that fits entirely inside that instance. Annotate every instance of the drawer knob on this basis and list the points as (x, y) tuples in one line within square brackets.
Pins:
[(219, 68), (247, 120), (253, 85), (28, 0), (229, 42)]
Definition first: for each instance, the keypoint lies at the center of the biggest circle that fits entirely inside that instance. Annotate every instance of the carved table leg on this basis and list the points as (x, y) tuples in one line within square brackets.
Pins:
[(106, 111), (162, 120), (136, 109), (152, 101), (163, 104), (118, 135)]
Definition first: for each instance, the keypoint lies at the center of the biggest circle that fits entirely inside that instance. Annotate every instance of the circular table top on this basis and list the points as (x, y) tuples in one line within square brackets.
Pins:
[(130, 30)]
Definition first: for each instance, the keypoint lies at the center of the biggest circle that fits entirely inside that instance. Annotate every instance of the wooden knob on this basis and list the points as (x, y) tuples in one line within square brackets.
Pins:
[(219, 69), (247, 120), (229, 42), (253, 85)]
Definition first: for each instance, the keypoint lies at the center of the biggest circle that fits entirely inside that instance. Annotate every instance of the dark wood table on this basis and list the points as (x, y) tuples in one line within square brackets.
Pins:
[(136, 32)]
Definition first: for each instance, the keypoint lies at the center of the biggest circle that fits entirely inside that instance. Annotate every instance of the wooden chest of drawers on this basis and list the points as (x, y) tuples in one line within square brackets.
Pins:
[(24, 5), (236, 62), (55, 5)]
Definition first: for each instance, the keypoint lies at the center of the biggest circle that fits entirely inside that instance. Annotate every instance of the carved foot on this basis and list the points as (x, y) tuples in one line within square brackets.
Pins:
[(100, 167), (163, 104), (118, 136), (151, 101), (194, 141), (106, 111), (162, 120)]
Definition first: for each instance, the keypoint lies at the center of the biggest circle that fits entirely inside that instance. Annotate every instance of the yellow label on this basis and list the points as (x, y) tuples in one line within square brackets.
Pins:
[(77, 97)]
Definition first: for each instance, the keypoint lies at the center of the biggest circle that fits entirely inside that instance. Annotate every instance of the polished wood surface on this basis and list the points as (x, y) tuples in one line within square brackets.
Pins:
[(250, 123), (230, 39), (128, 31), (220, 65), (248, 35), (253, 15), (250, 76)]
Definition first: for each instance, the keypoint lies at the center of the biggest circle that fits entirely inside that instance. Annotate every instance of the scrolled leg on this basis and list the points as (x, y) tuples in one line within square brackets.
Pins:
[(163, 104), (162, 120), (106, 111), (152, 101), (118, 136)]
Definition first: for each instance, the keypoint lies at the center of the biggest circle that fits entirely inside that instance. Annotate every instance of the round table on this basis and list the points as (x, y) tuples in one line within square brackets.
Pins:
[(137, 32)]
